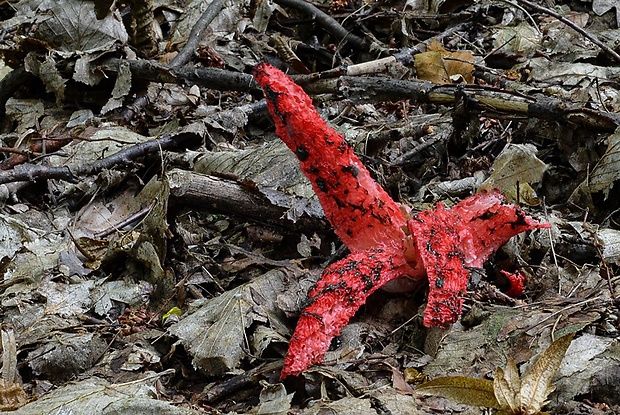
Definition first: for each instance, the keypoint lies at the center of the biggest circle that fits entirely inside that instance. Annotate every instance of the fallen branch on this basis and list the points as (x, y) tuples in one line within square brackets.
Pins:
[(31, 172), (492, 102), (209, 192), (213, 78), (197, 33)]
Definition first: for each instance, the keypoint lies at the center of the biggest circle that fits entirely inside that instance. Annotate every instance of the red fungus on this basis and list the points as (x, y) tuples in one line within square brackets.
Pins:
[(450, 241), (361, 212), (517, 283), (385, 244), (342, 290)]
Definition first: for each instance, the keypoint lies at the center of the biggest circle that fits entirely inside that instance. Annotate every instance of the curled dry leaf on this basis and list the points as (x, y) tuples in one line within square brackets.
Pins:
[(536, 384), (385, 240), (507, 385), (507, 392)]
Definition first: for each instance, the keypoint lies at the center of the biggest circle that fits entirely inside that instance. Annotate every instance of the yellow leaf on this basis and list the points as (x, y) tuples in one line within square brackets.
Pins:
[(507, 385), (536, 384), (458, 63), (442, 67), (430, 66), (462, 389), (173, 311)]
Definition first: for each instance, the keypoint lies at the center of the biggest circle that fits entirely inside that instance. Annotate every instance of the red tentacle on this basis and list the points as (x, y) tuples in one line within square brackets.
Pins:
[(341, 291)]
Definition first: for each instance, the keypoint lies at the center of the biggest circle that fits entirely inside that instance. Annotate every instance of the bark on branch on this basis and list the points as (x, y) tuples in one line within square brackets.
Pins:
[(209, 192), (492, 102), (33, 172)]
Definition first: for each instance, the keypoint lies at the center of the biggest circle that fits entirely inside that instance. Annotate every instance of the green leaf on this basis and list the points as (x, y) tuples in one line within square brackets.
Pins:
[(536, 384), (462, 389)]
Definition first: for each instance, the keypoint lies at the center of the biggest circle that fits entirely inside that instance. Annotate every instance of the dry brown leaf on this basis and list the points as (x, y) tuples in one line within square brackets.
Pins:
[(429, 66), (507, 385), (507, 392), (439, 66), (399, 383), (536, 384)]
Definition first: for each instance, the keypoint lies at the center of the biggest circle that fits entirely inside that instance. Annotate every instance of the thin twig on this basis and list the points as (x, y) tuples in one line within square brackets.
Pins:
[(127, 221), (215, 7), (609, 51), (19, 151), (526, 13), (327, 22), (31, 172)]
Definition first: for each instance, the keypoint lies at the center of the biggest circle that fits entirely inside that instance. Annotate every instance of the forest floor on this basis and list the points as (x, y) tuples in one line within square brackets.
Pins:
[(158, 241)]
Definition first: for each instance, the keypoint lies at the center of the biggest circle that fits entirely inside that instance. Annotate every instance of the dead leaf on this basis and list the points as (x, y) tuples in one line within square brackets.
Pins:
[(589, 357), (506, 392), (514, 170), (121, 88), (398, 381), (507, 385), (521, 38), (429, 66), (214, 334), (601, 7), (610, 239), (536, 384), (603, 176), (70, 26), (442, 67), (463, 389), (274, 400), (12, 394), (607, 170)]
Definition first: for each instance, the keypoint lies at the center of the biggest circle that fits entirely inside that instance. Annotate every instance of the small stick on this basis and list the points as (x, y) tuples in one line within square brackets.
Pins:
[(326, 21), (609, 51), (197, 32)]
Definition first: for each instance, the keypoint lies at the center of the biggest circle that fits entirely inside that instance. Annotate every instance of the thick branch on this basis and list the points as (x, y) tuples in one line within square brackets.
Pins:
[(206, 77), (213, 193), (490, 101)]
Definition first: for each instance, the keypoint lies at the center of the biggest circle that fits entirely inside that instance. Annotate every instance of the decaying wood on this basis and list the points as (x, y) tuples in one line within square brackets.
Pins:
[(239, 382), (491, 101), (214, 193)]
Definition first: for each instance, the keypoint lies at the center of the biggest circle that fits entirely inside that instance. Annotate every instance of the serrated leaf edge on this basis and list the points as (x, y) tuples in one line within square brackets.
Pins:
[(536, 383)]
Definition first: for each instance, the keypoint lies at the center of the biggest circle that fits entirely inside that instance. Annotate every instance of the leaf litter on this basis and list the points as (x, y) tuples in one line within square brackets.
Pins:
[(92, 259)]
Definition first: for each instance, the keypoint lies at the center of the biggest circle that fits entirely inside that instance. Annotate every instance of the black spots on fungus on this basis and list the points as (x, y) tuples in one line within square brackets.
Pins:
[(439, 282), (320, 183), (351, 169), (302, 153)]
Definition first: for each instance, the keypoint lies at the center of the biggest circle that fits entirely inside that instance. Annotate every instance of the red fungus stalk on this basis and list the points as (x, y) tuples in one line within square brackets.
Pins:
[(361, 212), (385, 244)]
